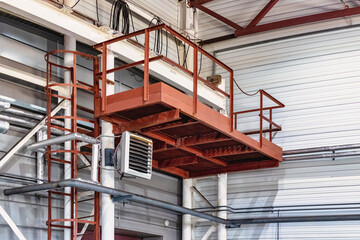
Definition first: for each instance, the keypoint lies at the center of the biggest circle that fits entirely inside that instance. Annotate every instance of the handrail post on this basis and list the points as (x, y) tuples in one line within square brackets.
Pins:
[(231, 100), (146, 65), (270, 125), (103, 77), (261, 117), (195, 79)]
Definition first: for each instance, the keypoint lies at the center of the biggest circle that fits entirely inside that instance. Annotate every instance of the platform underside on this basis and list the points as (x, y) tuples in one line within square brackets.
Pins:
[(187, 144)]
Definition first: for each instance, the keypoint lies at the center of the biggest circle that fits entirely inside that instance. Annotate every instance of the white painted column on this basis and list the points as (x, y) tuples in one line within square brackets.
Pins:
[(107, 172), (40, 156), (222, 201), (187, 202), (69, 44)]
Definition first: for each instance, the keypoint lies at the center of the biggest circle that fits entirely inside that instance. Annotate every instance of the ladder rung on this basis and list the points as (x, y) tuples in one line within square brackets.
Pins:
[(61, 128), (86, 217), (60, 226), (60, 193), (86, 221), (58, 96), (84, 200), (60, 160)]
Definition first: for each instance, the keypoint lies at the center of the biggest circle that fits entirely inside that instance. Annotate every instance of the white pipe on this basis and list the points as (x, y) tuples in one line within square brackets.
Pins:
[(107, 172), (208, 233), (187, 203), (40, 136), (69, 44), (222, 201), (95, 162)]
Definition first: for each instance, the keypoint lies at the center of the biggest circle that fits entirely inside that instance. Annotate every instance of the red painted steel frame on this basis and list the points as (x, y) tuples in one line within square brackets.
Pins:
[(73, 86), (104, 46), (253, 26)]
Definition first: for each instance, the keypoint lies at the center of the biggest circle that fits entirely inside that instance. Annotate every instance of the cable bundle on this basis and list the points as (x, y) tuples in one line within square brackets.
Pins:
[(120, 10), (158, 42)]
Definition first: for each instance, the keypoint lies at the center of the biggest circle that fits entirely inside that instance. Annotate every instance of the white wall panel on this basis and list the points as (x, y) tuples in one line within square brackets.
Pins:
[(315, 76)]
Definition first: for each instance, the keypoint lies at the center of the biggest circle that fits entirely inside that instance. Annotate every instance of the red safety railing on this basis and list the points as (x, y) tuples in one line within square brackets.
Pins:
[(273, 127), (194, 73)]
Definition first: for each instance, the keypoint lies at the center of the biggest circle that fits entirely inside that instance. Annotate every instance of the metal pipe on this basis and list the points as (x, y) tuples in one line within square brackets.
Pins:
[(4, 127), (89, 186), (187, 203), (322, 149), (4, 106), (62, 139), (222, 200), (40, 158), (27, 114), (95, 162), (323, 155), (84, 185)]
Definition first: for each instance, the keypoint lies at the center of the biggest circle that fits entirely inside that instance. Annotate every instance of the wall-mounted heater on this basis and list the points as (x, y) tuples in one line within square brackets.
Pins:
[(134, 155)]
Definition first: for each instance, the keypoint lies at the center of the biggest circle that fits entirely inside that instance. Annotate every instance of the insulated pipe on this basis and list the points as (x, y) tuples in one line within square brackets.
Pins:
[(323, 155), (27, 114), (4, 127), (95, 162), (40, 136), (81, 184), (4, 106), (187, 203), (222, 201), (322, 149), (88, 186), (64, 138)]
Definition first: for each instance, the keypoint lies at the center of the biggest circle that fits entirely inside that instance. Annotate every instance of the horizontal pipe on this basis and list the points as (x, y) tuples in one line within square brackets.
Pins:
[(62, 139), (230, 223), (323, 155), (84, 185), (322, 149), (36, 116), (4, 106), (239, 222)]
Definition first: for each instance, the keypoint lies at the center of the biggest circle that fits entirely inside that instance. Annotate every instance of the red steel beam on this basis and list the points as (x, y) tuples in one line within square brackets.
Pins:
[(262, 13), (148, 121), (242, 166), (201, 139), (226, 151), (286, 23), (197, 2), (219, 17), (298, 21), (179, 161)]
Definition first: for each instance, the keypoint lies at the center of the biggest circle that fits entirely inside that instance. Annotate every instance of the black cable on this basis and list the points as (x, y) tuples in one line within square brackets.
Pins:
[(201, 57), (75, 3), (248, 94), (97, 10), (158, 41)]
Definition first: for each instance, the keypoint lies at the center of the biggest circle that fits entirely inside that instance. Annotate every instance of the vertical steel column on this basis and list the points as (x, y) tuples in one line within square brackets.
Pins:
[(231, 100), (187, 202), (69, 44), (222, 201), (195, 78), (146, 65), (48, 152), (107, 172), (270, 125)]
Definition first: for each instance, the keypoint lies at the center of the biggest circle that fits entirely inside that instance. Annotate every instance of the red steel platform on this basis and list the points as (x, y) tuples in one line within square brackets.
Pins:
[(186, 144)]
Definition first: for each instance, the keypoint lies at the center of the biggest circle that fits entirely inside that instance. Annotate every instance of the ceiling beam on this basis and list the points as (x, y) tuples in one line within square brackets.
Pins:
[(179, 161), (262, 13), (227, 151), (286, 23)]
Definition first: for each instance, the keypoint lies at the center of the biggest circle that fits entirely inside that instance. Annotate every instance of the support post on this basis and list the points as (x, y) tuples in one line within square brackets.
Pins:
[(107, 172), (222, 201), (40, 156), (187, 203), (69, 44)]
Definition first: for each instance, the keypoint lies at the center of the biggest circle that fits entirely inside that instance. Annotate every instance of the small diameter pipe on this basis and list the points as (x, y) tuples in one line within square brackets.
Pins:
[(323, 155), (322, 149)]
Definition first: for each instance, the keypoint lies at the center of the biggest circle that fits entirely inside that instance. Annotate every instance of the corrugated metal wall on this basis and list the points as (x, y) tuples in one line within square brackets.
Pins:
[(317, 77)]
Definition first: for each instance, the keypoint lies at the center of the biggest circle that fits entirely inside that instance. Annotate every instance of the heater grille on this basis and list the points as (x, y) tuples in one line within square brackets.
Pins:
[(134, 155)]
